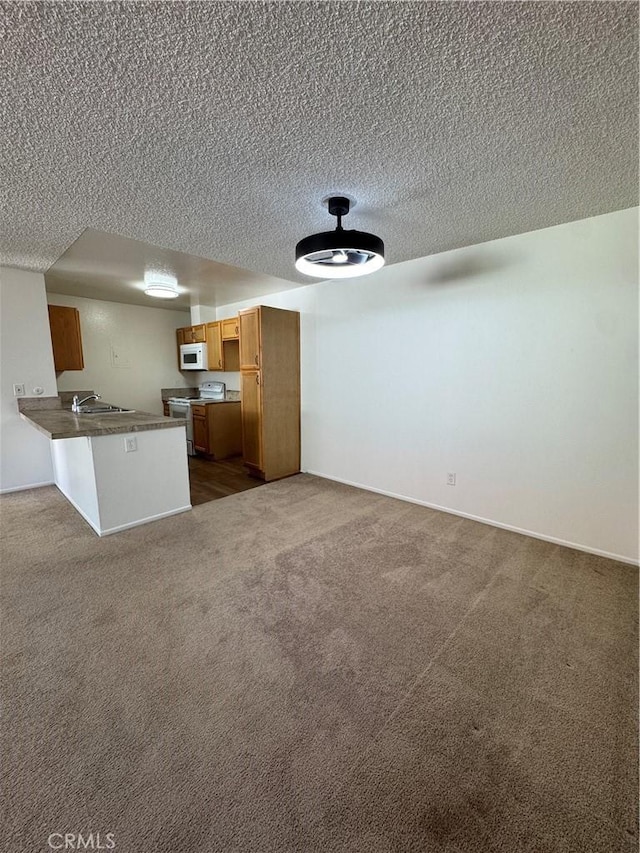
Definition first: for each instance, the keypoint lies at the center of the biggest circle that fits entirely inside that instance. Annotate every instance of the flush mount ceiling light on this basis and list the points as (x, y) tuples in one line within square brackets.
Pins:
[(339, 253), (160, 285)]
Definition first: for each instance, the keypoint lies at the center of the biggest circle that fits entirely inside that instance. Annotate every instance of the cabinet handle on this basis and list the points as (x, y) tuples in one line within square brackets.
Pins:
[(256, 359), (237, 332), (257, 378), (219, 363)]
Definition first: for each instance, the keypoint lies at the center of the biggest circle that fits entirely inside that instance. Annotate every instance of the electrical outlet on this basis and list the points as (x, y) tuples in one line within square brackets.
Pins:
[(130, 444), (18, 390), (451, 479)]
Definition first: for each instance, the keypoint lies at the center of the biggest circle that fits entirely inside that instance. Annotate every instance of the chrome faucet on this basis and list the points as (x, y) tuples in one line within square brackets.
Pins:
[(75, 406)]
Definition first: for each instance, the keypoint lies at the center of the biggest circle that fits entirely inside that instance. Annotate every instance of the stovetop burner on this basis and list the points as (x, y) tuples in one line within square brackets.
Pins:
[(209, 391)]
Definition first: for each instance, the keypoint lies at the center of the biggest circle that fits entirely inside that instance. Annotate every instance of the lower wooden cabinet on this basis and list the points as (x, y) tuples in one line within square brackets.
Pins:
[(200, 428), (165, 409), (251, 420), (66, 339), (217, 429)]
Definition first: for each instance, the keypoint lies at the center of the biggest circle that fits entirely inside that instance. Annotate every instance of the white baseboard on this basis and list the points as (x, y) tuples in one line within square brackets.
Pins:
[(25, 488), (140, 521), (618, 557)]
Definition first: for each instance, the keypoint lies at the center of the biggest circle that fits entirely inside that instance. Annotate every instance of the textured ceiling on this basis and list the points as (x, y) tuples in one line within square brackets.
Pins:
[(217, 128)]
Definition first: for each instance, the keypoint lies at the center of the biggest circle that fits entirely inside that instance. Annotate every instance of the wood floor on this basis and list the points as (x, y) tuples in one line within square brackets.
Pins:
[(209, 481)]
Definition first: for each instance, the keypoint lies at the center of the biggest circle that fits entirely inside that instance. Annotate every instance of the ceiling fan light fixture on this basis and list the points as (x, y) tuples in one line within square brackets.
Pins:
[(339, 253), (161, 286)]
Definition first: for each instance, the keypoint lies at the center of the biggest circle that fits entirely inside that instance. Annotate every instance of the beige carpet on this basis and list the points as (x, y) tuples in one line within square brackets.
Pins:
[(309, 667)]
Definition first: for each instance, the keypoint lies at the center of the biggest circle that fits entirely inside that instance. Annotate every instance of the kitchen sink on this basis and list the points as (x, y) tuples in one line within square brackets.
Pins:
[(105, 409)]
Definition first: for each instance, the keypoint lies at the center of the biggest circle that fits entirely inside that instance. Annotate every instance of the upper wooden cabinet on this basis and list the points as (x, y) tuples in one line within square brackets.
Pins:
[(192, 334), (221, 338), (270, 383), (214, 347), (66, 338), (198, 334), (230, 329), (250, 338), (221, 354)]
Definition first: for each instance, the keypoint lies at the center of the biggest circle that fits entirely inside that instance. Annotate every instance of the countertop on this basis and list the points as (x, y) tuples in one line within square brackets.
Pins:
[(57, 422)]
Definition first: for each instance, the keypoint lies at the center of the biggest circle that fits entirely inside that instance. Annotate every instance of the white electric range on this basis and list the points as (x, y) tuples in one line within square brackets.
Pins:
[(180, 407)]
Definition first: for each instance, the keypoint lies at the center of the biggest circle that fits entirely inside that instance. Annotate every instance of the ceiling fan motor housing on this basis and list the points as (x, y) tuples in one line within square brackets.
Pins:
[(340, 240), (339, 253)]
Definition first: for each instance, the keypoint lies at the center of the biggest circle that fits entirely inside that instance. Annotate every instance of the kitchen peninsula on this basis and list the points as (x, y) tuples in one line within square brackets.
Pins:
[(119, 469)]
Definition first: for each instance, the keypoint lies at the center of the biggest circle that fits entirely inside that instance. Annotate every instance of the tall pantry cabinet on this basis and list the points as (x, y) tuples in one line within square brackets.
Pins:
[(270, 391)]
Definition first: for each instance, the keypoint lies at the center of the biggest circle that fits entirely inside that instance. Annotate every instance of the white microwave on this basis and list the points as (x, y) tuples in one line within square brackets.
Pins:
[(193, 357)]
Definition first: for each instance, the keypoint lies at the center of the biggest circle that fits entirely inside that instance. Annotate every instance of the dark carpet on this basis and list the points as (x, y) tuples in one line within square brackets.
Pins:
[(311, 667)]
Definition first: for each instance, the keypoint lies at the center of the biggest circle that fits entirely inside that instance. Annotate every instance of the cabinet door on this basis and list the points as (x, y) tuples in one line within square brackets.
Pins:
[(251, 418), (66, 339), (199, 334), (179, 341), (200, 429), (215, 360), (230, 329), (225, 430), (249, 339)]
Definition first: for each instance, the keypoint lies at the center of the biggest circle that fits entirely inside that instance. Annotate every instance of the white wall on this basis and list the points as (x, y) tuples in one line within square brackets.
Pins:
[(118, 490), (129, 352), (26, 358), (513, 364), (155, 477), (75, 476)]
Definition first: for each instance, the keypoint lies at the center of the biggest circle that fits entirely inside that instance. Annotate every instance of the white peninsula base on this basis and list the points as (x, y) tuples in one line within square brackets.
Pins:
[(114, 489)]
